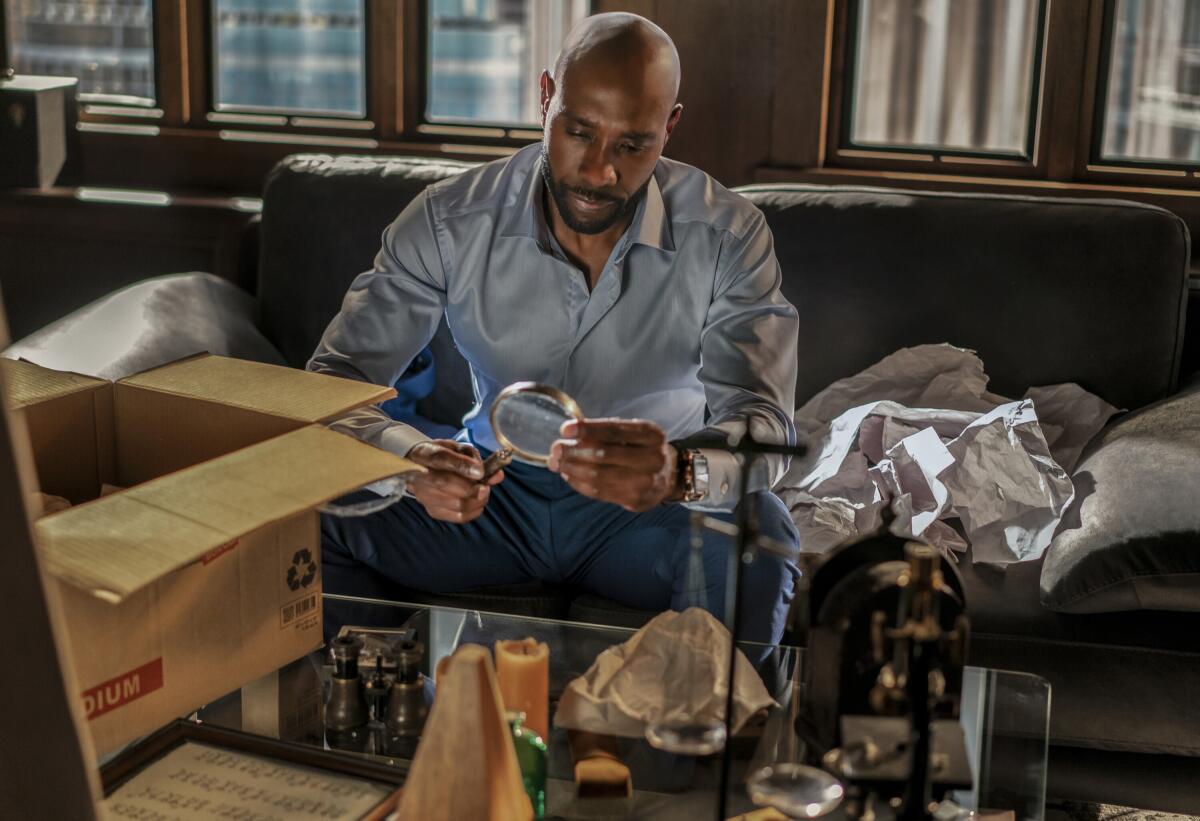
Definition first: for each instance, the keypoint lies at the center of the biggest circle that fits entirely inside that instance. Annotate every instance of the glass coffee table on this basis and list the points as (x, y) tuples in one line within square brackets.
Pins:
[(1005, 717)]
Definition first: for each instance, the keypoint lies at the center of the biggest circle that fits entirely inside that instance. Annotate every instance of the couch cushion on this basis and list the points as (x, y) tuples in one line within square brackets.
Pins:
[(1121, 681), (148, 324), (1046, 290), (1132, 538)]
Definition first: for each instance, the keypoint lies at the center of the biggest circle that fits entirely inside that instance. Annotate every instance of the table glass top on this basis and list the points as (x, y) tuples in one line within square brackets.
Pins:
[(1004, 716)]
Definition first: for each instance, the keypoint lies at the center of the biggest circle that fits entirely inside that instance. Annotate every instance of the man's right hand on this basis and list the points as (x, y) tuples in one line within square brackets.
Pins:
[(453, 488)]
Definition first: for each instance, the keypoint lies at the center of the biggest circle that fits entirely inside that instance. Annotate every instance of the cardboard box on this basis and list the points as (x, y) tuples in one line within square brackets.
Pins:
[(204, 573)]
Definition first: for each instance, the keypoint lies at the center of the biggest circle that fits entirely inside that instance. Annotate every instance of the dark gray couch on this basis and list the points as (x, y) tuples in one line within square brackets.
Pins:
[(1046, 290)]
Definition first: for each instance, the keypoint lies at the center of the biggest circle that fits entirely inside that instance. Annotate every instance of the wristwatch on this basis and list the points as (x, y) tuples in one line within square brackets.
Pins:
[(693, 473)]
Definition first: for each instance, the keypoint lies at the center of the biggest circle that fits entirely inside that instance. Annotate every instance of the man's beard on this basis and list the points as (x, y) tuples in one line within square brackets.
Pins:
[(560, 191)]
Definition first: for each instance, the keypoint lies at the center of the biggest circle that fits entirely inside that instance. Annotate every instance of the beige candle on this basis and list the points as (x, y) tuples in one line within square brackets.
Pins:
[(523, 668)]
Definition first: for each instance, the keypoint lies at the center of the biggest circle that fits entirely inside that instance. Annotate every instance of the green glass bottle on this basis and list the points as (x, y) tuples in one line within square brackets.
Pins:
[(531, 757)]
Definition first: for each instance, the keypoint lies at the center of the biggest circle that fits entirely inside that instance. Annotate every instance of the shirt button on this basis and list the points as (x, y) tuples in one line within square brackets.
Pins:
[(724, 488)]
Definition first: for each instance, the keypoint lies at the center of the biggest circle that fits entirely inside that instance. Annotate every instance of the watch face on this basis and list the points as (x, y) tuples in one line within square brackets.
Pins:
[(700, 473)]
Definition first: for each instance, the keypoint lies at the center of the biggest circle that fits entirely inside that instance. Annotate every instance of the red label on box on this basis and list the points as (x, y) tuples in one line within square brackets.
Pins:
[(123, 689), (212, 555)]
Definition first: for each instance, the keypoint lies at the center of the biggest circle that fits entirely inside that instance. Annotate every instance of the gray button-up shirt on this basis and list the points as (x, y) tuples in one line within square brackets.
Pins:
[(686, 325)]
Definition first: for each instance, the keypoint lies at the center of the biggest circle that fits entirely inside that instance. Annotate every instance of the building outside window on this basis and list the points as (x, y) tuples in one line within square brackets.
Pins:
[(1151, 99), (107, 44), (945, 75), (294, 56), (485, 56)]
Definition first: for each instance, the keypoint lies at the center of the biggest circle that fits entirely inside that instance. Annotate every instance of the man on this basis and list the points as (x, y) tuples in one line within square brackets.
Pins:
[(640, 287)]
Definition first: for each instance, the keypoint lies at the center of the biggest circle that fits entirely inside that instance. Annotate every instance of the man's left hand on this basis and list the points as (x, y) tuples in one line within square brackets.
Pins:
[(622, 461)]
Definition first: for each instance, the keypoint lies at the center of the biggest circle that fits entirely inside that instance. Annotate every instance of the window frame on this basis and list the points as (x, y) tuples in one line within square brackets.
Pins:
[(424, 129), (396, 72), (291, 114), (1091, 165), (115, 105), (842, 152), (849, 91), (1068, 130)]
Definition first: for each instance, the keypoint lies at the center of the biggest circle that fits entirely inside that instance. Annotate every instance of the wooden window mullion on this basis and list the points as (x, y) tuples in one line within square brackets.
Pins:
[(169, 51), (384, 66)]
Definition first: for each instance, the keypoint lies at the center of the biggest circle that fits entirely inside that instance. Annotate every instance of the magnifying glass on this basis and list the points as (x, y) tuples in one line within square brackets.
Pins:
[(526, 418)]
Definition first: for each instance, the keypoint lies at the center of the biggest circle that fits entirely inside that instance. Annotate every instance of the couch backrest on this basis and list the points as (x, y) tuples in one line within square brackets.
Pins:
[(1045, 289), (323, 221)]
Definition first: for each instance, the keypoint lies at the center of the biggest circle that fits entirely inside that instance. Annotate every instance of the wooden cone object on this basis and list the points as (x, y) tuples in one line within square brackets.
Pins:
[(466, 766)]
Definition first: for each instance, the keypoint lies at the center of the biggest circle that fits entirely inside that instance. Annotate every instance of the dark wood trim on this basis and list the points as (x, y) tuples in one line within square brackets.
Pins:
[(385, 67), (411, 104), (1090, 90), (196, 57), (835, 90), (5, 65), (171, 79), (198, 160), (1064, 67)]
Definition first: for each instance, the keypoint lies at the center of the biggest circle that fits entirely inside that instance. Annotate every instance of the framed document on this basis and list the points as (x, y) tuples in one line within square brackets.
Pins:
[(194, 771)]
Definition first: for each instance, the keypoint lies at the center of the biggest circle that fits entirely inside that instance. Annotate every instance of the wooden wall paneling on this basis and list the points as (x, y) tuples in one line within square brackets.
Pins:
[(803, 34), (725, 49), (727, 91), (646, 8), (181, 160)]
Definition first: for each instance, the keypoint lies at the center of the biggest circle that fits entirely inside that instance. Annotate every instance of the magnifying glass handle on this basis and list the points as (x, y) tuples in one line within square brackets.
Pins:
[(498, 460)]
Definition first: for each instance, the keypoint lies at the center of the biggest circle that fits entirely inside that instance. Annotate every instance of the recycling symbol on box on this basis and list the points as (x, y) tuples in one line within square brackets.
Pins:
[(303, 569)]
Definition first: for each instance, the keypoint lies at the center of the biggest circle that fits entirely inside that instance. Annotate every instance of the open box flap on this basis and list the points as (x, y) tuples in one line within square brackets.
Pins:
[(29, 384), (116, 545), (272, 389)]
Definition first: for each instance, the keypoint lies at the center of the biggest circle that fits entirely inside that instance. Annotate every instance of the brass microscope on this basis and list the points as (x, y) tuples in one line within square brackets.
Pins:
[(887, 638)]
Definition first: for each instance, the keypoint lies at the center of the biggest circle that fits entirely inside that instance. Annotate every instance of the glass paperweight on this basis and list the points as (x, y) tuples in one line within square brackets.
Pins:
[(686, 737), (531, 757), (796, 790)]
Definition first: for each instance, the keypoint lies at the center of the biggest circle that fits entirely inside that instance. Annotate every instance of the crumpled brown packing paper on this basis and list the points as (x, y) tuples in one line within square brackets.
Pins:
[(647, 679)]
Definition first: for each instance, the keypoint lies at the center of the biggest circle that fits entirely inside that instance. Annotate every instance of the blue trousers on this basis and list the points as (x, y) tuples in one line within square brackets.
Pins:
[(535, 527)]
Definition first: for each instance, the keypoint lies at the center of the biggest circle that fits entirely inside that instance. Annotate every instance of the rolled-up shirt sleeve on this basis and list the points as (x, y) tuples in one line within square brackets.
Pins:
[(748, 362), (388, 316)]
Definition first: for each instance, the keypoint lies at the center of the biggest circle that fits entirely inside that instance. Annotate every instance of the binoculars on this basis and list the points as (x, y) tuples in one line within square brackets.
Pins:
[(395, 699)]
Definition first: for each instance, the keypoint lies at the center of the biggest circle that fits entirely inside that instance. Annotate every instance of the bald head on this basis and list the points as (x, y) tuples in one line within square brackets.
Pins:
[(608, 108), (625, 44)]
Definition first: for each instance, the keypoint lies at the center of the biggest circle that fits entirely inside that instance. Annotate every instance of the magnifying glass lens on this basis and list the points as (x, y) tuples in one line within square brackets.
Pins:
[(530, 422)]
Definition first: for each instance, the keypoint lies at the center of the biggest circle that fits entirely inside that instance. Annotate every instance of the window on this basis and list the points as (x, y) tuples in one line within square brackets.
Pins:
[(1151, 93), (108, 46), (944, 75), (485, 56), (299, 56)]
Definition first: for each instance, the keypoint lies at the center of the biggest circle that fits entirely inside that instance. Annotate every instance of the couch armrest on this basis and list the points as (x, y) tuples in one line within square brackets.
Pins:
[(1131, 540), (150, 323)]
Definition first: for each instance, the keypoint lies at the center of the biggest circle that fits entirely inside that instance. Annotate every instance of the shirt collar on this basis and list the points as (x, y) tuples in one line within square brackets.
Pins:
[(650, 225)]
